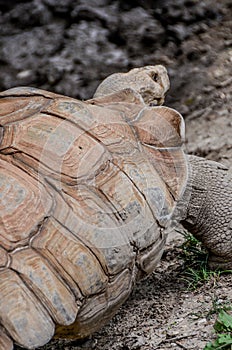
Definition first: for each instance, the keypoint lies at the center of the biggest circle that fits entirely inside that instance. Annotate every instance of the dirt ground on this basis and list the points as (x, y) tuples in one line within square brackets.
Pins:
[(69, 47)]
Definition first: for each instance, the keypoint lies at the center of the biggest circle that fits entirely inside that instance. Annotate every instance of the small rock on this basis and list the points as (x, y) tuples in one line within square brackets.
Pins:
[(24, 74)]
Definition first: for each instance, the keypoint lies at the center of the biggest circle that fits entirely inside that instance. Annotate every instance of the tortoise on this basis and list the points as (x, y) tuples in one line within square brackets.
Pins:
[(88, 189)]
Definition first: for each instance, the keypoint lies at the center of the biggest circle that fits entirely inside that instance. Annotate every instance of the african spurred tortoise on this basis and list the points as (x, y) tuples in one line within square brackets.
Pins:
[(87, 190)]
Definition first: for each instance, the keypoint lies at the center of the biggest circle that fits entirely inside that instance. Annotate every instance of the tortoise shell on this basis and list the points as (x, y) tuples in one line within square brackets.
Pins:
[(86, 191)]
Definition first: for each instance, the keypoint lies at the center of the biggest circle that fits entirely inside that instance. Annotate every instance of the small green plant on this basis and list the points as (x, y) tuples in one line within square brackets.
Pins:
[(195, 270), (218, 306), (193, 253), (223, 329), (195, 257)]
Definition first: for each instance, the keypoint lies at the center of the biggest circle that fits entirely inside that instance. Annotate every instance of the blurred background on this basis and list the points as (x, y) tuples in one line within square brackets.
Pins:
[(69, 46)]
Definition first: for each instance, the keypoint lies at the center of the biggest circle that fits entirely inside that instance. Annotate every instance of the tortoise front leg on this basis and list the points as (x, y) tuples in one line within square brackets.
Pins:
[(207, 209)]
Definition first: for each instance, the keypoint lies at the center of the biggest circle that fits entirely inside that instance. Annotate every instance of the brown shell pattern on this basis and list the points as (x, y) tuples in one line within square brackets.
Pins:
[(86, 190)]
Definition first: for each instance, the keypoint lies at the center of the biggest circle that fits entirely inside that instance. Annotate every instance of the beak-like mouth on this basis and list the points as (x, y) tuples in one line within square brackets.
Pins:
[(156, 102)]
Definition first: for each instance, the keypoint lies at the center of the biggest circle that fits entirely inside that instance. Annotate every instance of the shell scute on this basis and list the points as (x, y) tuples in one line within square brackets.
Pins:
[(46, 284), (31, 326), (13, 109), (19, 194), (70, 256), (161, 131), (55, 147), (106, 125), (101, 306), (5, 342), (92, 220), (161, 127)]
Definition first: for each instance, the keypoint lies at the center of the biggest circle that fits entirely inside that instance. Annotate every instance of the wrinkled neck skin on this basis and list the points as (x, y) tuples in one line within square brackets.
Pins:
[(205, 209)]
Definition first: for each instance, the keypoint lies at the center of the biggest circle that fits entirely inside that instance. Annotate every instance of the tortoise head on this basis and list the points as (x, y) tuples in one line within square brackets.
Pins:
[(151, 82)]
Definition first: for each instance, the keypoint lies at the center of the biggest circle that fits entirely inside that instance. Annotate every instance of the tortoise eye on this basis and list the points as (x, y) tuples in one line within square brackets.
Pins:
[(155, 77)]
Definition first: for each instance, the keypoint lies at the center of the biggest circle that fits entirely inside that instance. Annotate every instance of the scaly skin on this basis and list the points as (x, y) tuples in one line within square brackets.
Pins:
[(207, 209)]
